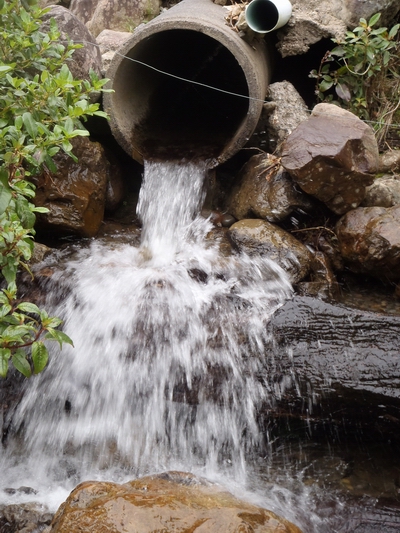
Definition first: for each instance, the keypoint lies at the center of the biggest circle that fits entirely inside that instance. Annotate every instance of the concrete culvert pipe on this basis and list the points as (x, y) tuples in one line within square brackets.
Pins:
[(154, 116)]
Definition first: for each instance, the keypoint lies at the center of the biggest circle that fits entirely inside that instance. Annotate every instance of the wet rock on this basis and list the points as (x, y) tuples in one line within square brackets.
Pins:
[(118, 15), (76, 193), (84, 59), (169, 502), (284, 111), (109, 41), (260, 237), (369, 241), (23, 518), (323, 283), (332, 156), (40, 251), (265, 190), (384, 192), (337, 349)]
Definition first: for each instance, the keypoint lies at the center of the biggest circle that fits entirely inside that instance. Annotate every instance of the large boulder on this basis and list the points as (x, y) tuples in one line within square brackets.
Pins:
[(265, 190), (313, 20), (119, 15), (369, 241), (170, 502), (260, 237), (333, 156), (87, 57), (76, 194)]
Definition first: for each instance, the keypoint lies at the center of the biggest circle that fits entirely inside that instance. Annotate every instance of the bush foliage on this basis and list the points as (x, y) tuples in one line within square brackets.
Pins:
[(362, 73), (41, 109)]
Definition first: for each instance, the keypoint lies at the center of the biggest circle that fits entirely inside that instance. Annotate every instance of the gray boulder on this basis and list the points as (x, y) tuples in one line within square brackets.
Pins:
[(284, 111), (313, 20), (84, 59), (384, 192), (109, 42), (118, 15), (333, 156), (260, 237)]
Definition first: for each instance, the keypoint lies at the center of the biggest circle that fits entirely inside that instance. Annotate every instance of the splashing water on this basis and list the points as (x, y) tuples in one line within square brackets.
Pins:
[(167, 368)]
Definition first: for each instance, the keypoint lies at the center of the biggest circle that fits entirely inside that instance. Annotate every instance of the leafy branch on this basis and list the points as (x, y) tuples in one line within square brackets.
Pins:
[(363, 73), (42, 108)]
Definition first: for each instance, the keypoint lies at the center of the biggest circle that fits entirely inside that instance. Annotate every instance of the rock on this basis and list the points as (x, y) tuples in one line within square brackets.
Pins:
[(260, 237), (169, 502), (389, 161), (350, 11), (313, 20), (285, 110), (84, 59), (118, 15), (109, 42), (23, 518), (76, 193), (384, 192), (332, 156), (265, 190), (334, 347), (369, 241), (40, 251)]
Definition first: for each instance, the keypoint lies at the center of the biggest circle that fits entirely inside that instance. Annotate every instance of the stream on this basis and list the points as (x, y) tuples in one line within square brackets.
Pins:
[(167, 370)]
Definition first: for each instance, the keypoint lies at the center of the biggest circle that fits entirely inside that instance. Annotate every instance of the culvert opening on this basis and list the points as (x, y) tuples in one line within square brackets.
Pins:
[(166, 117)]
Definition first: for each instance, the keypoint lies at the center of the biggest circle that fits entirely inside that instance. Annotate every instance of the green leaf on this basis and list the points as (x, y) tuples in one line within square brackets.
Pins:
[(30, 124), (374, 19), (4, 69), (5, 191), (325, 85), (28, 307), (40, 356), (393, 31), (21, 364), (343, 92), (5, 354), (9, 272), (59, 336)]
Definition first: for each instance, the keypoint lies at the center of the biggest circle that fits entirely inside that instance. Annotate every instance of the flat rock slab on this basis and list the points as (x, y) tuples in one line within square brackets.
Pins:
[(333, 346)]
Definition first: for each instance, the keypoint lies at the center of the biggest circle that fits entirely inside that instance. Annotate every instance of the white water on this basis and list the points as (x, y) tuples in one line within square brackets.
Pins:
[(166, 372)]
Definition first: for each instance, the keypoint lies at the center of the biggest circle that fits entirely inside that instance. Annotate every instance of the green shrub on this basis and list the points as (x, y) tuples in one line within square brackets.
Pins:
[(41, 109), (363, 73)]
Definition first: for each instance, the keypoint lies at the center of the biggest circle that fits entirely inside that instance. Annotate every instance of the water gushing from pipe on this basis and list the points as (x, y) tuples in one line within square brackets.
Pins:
[(167, 369)]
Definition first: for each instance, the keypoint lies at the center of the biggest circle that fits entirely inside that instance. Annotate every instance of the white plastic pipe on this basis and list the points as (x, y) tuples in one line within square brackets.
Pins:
[(264, 16)]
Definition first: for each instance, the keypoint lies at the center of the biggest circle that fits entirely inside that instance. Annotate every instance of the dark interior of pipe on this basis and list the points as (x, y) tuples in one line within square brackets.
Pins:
[(263, 16), (168, 114)]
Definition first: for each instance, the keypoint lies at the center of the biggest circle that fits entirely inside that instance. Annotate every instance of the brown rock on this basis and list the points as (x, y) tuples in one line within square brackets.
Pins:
[(369, 241), (75, 194), (332, 156), (172, 502), (260, 237), (265, 190)]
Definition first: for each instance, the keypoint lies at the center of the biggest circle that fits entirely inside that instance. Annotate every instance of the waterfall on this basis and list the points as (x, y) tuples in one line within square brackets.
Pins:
[(169, 342)]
